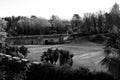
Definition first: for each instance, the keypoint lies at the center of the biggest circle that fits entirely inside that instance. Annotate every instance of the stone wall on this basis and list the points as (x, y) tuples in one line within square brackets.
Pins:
[(37, 39)]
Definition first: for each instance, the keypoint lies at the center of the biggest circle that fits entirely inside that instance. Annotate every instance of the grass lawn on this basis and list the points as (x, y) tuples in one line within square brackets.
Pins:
[(86, 53)]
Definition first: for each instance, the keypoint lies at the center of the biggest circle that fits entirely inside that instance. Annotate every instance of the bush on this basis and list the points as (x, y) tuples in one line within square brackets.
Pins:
[(102, 76), (51, 72), (12, 69), (18, 69), (57, 56), (14, 51), (23, 50), (97, 38)]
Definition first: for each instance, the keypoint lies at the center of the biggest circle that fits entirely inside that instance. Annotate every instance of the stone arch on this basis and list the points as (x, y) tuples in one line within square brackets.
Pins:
[(46, 41)]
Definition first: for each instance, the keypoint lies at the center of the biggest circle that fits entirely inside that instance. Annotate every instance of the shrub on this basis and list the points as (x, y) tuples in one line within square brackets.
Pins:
[(97, 38), (15, 51), (23, 50), (51, 72), (57, 56), (12, 69), (19, 69)]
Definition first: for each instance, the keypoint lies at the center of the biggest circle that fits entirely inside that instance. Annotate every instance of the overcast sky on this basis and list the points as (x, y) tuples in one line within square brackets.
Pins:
[(45, 8)]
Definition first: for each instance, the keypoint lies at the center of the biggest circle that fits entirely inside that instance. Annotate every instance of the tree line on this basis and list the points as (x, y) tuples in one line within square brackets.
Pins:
[(100, 22)]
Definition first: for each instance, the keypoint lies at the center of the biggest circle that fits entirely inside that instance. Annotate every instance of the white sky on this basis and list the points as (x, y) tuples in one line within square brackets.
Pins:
[(46, 8)]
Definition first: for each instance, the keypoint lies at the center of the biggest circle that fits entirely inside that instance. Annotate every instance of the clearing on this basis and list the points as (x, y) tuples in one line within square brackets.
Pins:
[(86, 53)]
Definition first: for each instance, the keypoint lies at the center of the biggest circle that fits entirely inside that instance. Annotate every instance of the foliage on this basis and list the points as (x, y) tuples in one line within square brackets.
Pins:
[(18, 69), (112, 54), (59, 73), (58, 57), (97, 23), (23, 25), (14, 50), (12, 69), (23, 50), (3, 25), (57, 24), (94, 23), (76, 23), (33, 26), (96, 38)]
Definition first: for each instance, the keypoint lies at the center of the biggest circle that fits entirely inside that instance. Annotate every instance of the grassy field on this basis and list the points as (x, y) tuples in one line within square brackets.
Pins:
[(86, 53)]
